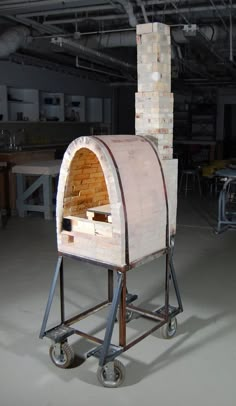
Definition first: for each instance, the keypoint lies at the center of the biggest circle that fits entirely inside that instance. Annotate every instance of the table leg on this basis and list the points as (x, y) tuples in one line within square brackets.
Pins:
[(47, 193), (20, 183)]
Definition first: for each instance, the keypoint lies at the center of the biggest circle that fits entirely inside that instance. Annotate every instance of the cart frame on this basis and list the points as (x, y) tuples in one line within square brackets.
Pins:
[(226, 217), (118, 296)]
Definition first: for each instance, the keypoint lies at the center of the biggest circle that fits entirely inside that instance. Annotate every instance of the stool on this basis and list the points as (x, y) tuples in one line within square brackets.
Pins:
[(44, 171), (193, 176)]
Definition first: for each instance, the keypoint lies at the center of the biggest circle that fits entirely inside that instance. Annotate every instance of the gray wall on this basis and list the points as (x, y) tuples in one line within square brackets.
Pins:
[(31, 77), (125, 104), (22, 76), (225, 96)]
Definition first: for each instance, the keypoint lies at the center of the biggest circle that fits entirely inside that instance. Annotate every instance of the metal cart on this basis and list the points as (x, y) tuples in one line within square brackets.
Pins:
[(111, 372), (227, 201)]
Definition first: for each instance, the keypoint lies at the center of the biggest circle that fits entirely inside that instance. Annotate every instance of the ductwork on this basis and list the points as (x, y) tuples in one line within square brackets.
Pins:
[(111, 40), (13, 39), (80, 50), (212, 33), (128, 7)]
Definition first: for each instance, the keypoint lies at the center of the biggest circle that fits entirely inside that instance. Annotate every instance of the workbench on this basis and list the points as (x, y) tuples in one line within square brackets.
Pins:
[(8, 193), (43, 172)]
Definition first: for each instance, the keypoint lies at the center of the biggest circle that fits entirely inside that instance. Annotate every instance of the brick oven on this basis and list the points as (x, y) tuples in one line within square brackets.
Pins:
[(116, 207), (115, 200)]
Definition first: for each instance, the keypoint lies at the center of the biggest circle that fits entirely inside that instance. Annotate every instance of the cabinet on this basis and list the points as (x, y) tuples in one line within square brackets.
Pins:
[(34, 105), (181, 124), (74, 108), (23, 104), (3, 103), (203, 121), (195, 121), (51, 106)]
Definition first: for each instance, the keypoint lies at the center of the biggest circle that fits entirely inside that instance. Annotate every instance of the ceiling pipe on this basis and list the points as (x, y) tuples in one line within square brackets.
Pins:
[(179, 10), (110, 40), (69, 10), (13, 39), (79, 49), (128, 7), (141, 5), (82, 19), (34, 24), (212, 33), (78, 65), (11, 5)]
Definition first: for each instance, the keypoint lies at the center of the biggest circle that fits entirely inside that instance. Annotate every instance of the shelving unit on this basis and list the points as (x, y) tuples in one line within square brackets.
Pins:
[(181, 123), (3, 103), (203, 120), (18, 105), (51, 106), (23, 104), (74, 108)]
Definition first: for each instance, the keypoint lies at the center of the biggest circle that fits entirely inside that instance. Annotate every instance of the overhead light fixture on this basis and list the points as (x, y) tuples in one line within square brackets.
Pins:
[(190, 30)]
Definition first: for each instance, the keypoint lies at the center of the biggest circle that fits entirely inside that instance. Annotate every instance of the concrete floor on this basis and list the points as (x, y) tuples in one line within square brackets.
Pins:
[(197, 367)]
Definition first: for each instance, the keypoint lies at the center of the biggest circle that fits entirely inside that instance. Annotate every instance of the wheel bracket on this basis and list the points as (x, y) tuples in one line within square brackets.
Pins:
[(113, 352), (60, 333)]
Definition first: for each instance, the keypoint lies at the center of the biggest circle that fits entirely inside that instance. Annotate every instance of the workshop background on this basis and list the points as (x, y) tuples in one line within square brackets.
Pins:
[(69, 69)]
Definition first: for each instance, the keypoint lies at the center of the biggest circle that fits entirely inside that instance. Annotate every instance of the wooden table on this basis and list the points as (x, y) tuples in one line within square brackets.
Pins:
[(43, 171), (8, 194)]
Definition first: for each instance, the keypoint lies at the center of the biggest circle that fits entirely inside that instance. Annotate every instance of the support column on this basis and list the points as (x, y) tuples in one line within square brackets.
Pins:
[(154, 100)]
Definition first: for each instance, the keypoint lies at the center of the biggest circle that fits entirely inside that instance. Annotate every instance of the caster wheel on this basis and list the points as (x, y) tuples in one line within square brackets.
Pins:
[(111, 376), (128, 316), (61, 355), (169, 329)]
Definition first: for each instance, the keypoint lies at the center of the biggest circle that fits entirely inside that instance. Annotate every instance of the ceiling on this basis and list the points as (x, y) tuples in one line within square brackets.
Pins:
[(96, 38)]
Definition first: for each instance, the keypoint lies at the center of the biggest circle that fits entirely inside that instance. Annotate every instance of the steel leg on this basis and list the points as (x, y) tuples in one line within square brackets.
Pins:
[(50, 297), (175, 283), (47, 196), (122, 314), (110, 285), (167, 286), (62, 301), (111, 320)]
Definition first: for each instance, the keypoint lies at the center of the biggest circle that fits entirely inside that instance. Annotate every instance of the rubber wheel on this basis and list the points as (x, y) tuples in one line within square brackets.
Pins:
[(61, 355), (128, 316), (169, 329), (103, 378)]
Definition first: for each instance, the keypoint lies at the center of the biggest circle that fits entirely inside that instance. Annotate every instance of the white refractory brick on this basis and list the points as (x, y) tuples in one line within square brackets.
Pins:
[(155, 97), (161, 28), (144, 28), (153, 87), (163, 68), (147, 39), (154, 100), (152, 121), (154, 77)]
